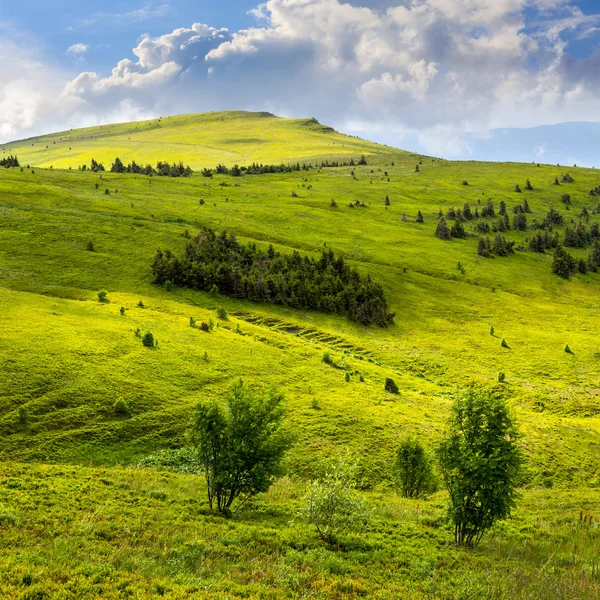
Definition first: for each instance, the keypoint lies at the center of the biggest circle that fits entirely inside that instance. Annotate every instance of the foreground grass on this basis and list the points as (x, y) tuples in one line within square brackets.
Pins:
[(75, 532)]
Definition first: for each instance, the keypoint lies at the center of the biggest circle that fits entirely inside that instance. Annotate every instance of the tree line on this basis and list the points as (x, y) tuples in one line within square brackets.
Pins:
[(9, 161), (163, 168), (219, 263), (260, 169)]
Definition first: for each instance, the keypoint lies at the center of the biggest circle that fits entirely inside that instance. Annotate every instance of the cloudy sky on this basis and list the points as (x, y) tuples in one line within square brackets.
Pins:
[(454, 78)]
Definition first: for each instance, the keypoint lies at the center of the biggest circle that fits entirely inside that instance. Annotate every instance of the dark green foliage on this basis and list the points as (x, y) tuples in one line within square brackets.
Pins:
[(458, 229), (240, 445), (502, 247), (543, 241), (563, 264), (96, 166), (492, 331), (502, 210), (442, 232), (107, 192), (140, 304), (9, 161), (120, 407), (327, 284), (102, 296), (466, 212), (593, 259), (582, 266), (480, 463), (552, 218), (577, 236), (504, 344), (568, 350), (390, 386), (528, 185), (520, 222), (484, 247), (482, 227), (387, 201), (122, 310), (347, 377), (362, 161), (23, 416), (566, 199), (177, 460), (163, 168), (501, 377), (222, 314), (148, 340), (90, 246), (419, 217), (517, 188), (118, 166), (526, 208), (451, 214), (567, 178), (413, 470), (488, 210)]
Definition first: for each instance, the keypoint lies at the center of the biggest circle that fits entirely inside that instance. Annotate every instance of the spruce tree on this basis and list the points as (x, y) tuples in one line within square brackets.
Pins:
[(442, 232)]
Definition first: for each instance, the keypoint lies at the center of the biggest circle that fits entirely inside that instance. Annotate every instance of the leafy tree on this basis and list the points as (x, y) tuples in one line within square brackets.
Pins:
[(240, 444), (480, 463), (332, 503), (413, 469)]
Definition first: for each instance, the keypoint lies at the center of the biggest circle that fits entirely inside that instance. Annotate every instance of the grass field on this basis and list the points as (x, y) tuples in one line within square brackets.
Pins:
[(66, 358)]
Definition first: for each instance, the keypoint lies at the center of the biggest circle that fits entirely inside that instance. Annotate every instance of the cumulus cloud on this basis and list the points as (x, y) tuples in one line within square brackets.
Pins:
[(431, 69)]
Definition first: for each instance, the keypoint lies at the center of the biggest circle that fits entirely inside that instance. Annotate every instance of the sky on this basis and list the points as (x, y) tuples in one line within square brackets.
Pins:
[(464, 79)]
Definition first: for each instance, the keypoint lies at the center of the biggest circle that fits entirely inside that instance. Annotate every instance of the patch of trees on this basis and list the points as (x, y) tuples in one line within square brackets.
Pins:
[(328, 284), (499, 247), (260, 169), (163, 168), (543, 241), (9, 161)]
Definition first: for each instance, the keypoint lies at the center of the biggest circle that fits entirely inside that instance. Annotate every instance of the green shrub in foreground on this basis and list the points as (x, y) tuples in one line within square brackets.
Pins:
[(480, 463), (413, 469)]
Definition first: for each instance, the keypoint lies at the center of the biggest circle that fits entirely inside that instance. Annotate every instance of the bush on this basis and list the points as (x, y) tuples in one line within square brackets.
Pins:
[(480, 463), (222, 314), (504, 344), (390, 386), (240, 445), (332, 503), (501, 377), (413, 470), (120, 407), (122, 310), (90, 246), (169, 287), (23, 415), (148, 340), (102, 296)]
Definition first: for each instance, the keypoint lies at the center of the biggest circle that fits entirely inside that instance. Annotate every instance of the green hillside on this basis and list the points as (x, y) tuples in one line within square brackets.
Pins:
[(66, 358), (200, 140)]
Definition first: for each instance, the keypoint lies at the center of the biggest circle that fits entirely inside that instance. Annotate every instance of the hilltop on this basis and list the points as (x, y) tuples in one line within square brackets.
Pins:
[(200, 140)]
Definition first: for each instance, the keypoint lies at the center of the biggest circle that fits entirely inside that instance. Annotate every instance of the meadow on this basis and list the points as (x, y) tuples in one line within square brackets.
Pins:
[(66, 358)]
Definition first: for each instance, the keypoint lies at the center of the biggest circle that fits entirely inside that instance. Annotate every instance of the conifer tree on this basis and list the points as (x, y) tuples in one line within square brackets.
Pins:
[(442, 232)]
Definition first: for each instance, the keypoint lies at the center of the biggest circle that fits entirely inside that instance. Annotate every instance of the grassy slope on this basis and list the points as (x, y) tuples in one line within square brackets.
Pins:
[(67, 358), (75, 532), (200, 140)]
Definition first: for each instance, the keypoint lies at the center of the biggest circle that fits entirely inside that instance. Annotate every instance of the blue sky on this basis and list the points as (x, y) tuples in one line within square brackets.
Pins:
[(453, 78)]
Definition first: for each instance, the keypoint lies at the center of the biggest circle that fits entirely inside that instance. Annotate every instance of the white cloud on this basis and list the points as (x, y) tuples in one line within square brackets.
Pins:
[(432, 69), (77, 49)]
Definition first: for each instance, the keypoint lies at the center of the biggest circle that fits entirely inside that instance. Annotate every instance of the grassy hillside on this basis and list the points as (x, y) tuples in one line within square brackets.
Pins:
[(73, 532), (68, 357), (88, 527), (200, 140)]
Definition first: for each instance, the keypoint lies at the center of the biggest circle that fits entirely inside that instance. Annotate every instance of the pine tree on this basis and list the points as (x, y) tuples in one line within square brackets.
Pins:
[(442, 232), (526, 208), (419, 217), (563, 264), (458, 229)]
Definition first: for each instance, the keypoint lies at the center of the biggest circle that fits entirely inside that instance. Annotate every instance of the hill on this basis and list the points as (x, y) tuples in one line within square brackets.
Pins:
[(200, 140), (66, 358)]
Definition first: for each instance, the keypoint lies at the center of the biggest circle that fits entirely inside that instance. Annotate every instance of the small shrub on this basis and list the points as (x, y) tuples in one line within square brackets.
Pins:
[(214, 290), (347, 377), (107, 192), (23, 415), (102, 296), (120, 407), (413, 470), (314, 404), (503, 343), (148, 340), (140, 304), (390, 386), (568, 350), (222, 314), (122, 310), (501, 377), (327, 359), (492, 330), (90, 246), (169, 287), (205, 356), (204, 327), (193, 321)]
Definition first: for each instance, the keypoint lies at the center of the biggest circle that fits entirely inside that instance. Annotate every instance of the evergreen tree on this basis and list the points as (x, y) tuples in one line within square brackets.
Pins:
[(442, 232), (520, 222), (419, 217), (526, 208), (458, 229), (563, 264)]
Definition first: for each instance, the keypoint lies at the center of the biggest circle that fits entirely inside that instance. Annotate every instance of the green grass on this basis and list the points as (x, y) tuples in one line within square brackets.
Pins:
[(201, 140), (66, 358), (113, 533)]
